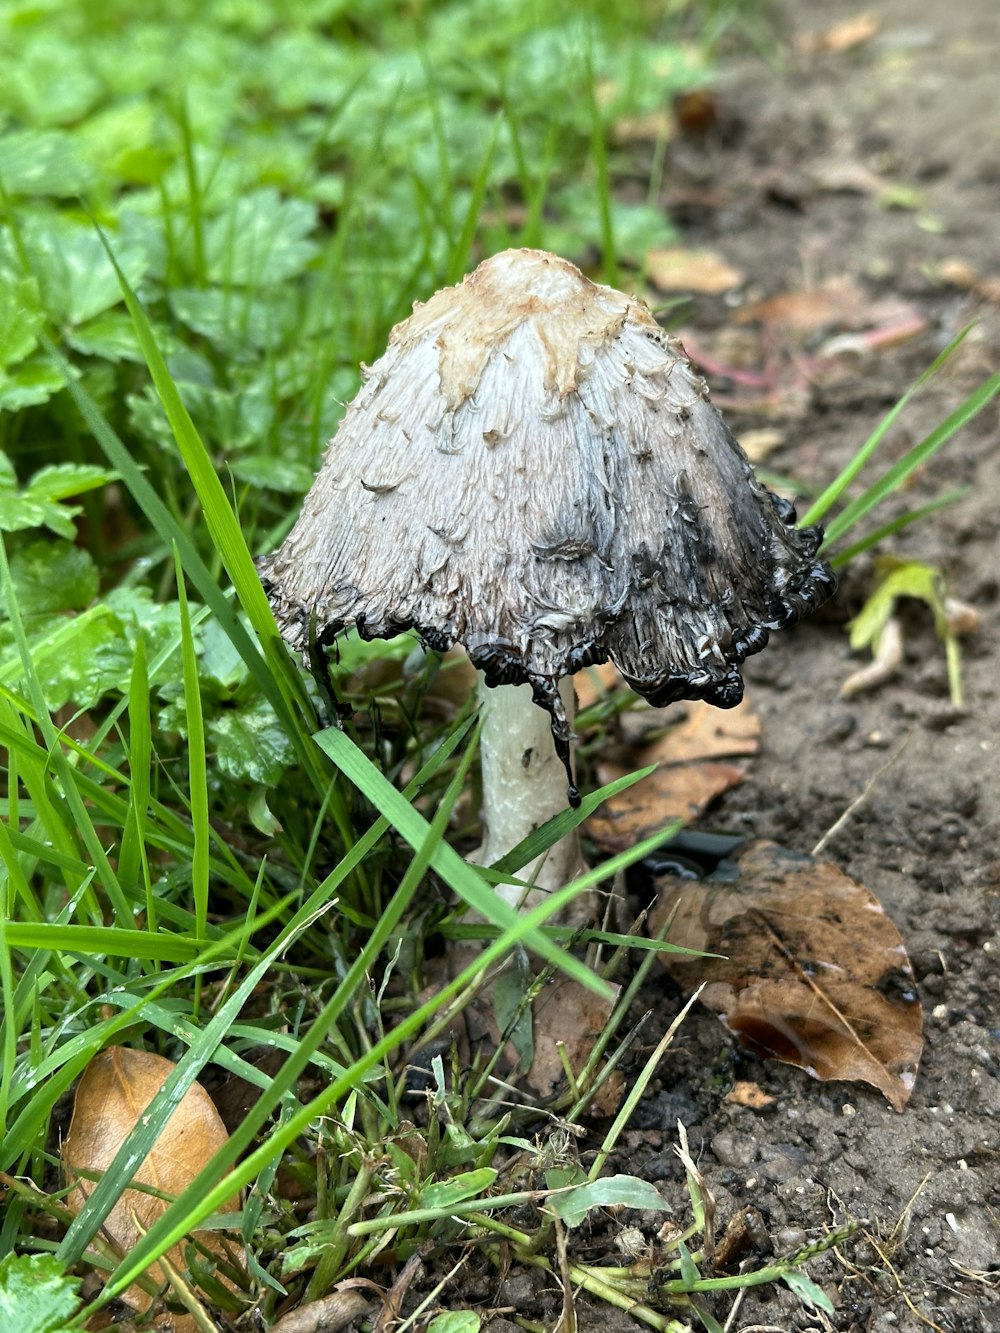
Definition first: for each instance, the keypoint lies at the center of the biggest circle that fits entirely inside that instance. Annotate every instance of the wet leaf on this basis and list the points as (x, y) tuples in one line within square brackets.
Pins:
[(250, 742), (35, 1294), (114, 1091), (703, 754), (813, 972), (675, 269), (50, 577)]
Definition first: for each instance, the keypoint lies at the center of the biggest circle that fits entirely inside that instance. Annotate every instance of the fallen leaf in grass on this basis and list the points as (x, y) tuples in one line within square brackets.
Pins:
[(652, 127), (703, 754), (564, 1015), (329, 1315), (595, 683), (113, 1093), (760, 443), (675, 269), (813, 972), (696, 111), (570, 1017), (843, 36), (838, 301)]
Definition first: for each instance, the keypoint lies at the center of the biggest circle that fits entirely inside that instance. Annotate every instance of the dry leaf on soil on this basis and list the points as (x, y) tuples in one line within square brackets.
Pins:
[(564, 1015), (331, 1314), (701, 756), (675, 269), (813, 971), (843, 36), (113, 1093)]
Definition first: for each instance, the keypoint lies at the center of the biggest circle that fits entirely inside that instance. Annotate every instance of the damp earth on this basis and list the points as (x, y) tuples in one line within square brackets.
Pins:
[(872, 170)]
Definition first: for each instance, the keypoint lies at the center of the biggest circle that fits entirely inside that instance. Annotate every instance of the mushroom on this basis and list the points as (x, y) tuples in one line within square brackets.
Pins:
[(534, 471)]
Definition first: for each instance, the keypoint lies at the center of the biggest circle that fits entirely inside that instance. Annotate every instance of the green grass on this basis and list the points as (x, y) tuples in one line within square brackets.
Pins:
[(212, 214)]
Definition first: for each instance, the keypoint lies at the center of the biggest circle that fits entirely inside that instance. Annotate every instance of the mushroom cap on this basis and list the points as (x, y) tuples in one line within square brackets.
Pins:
[(533, 470)]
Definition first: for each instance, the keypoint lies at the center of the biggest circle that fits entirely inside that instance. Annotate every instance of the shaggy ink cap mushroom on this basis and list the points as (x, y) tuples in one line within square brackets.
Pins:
[(533, 470)]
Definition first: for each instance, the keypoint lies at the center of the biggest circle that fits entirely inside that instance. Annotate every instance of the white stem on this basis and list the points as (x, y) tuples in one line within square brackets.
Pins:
[(524, 784)]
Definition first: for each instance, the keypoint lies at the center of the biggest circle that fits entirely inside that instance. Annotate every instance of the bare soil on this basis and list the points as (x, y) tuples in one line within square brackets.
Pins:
[(784, 187)]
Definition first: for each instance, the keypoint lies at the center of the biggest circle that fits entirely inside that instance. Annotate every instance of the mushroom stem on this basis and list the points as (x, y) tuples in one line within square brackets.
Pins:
[(524, 784)]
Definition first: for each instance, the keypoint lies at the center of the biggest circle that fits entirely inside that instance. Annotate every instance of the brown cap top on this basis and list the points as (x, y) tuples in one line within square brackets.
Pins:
[(533, 470)]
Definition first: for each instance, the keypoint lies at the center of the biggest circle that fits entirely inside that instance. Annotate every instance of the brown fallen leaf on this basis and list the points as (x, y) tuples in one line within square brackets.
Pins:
[(651, 127), (836, 302), (761, 442), (701, 756), (814, 973), (957, 272), (331, 1314), (564, 1015), (570, 1017), (842, 36), (595, 682), (674, 269), (113, 1093), (696, 112)]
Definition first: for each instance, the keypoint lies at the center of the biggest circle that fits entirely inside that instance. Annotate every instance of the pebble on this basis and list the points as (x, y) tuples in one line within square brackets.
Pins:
[(734, 1149)]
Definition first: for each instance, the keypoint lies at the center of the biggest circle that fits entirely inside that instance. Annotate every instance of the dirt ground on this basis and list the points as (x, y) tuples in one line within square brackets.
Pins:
[(875, 167), (917, 106)]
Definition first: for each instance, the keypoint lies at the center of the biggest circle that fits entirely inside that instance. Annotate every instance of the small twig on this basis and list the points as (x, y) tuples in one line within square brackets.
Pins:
[(859, 801)]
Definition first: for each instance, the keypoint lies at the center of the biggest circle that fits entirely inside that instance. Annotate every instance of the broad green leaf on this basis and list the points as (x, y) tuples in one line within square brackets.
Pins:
[(40, 503), (82, 658), (455, 1321), (76, 278), (807, 1291), (50, 577), (62, 480), (445, 1194), (219, 658), (109, 336), (52, 81), (32, 383), (236, 319), (21, 317), (44, 162), (36, 1296), (157, 622), (262, 239), (575, 1204), (286, 475), (249, 742)]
